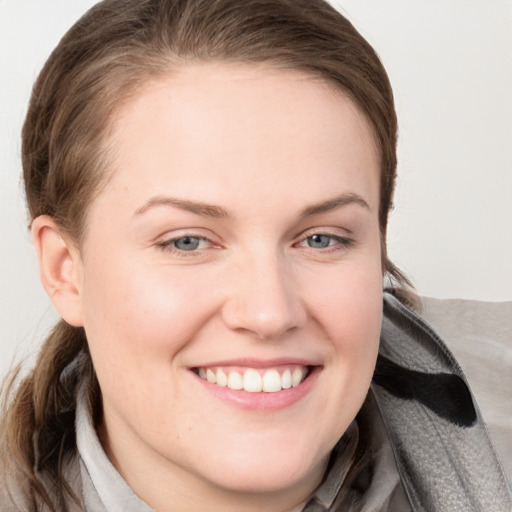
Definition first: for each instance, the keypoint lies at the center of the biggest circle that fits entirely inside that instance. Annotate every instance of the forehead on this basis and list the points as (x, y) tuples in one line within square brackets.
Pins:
[(206, 125)]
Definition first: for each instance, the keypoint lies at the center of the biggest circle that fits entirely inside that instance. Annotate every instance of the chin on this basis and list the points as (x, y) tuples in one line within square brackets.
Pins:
[(274, 468)]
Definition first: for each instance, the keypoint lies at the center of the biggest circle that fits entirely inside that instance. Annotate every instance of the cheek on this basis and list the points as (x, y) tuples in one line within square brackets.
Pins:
[(137, 319), (348, 303), (350, 311)]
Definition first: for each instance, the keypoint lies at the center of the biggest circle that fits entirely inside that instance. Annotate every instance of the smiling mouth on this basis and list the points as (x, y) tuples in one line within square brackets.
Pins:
[(255, 380)]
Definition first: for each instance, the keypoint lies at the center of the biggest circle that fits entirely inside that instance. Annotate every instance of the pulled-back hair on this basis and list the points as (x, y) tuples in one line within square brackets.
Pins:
[(98, 65)]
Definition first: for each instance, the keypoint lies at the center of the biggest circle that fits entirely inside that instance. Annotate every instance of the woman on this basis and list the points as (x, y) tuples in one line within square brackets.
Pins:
[(209, 184)]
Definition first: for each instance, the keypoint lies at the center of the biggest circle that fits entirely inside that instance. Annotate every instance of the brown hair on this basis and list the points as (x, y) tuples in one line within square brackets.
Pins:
[(99, 63)]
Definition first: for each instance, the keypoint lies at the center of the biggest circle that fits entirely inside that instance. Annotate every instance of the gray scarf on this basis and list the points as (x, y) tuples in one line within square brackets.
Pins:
[(442, 448)]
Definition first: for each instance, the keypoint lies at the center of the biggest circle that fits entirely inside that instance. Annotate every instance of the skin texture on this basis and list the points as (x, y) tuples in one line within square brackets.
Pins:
[(263, 145)]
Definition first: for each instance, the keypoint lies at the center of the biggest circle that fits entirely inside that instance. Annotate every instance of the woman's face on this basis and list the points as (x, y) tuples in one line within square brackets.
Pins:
[(236, 241)]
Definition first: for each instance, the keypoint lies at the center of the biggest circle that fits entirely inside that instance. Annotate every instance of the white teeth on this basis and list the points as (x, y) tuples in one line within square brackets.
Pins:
[(235, 381), (286, 379), (222, 379), (254, 381), (271, 381), (296, 377)]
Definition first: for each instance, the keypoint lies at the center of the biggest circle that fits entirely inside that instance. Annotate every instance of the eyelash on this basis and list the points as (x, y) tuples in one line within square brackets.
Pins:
[(340, 243)]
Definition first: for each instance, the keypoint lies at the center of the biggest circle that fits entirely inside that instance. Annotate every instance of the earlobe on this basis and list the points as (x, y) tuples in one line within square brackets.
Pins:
[(59, 268)]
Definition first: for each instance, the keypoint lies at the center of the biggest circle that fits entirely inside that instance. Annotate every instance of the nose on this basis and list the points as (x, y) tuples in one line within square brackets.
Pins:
[(264, 299)]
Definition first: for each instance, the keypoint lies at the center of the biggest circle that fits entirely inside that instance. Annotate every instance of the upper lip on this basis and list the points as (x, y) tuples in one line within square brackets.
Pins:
[(259, 363)]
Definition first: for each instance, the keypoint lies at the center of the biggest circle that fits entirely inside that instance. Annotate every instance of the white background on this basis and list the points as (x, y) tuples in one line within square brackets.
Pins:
[(450, 63)]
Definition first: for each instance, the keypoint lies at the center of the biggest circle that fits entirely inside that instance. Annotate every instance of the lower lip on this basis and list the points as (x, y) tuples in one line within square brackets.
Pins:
[(262, 401)]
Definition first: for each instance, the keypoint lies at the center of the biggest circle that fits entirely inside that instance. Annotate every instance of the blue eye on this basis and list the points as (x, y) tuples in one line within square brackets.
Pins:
[(320, 241), (188, 243), (185, 244)]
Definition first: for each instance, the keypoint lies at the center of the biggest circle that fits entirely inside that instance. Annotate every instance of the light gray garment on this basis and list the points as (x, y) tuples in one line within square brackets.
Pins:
[(104, 490)]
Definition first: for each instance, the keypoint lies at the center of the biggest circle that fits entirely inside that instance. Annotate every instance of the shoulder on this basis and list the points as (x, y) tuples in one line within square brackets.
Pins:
[(480, 336)]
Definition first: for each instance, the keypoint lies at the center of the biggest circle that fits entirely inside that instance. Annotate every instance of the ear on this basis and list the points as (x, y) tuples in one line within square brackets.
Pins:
[(60, 268)]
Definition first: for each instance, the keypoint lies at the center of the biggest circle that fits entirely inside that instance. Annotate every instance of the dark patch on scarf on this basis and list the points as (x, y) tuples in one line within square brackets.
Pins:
[(446, 394)]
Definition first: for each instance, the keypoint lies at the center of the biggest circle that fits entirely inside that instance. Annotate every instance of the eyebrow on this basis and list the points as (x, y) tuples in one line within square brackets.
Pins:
[(199, 208), (333, 204), (217, 212)]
